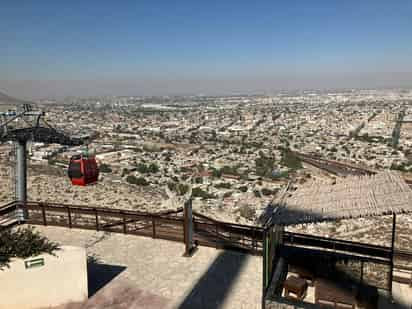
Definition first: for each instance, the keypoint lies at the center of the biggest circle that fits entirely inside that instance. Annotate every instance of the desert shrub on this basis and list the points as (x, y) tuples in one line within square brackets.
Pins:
[(266, 191), (179, 188), (290, 160), (152, 168), (229, 170), (140, 181), (264, 165), (217, 173), (23, 243), (223, 185), (247, 212), (198, 192), (243, 188), (105, 168)]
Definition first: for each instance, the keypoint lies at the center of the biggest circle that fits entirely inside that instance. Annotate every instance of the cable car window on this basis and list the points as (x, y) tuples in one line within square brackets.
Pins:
[(75, 170)]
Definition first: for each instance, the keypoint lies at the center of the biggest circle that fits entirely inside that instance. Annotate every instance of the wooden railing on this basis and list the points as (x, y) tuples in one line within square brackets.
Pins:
[(166, 225), (169, 225), (8, 215)]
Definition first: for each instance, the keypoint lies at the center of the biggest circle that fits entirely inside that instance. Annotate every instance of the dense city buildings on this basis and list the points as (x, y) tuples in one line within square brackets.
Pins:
[(235, 152)]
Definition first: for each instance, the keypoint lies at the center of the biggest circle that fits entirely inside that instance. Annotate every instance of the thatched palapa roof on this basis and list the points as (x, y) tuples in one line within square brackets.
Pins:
[(352, 197)]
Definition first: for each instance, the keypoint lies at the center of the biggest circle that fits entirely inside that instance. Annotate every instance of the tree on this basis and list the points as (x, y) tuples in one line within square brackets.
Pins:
[(217, 173), (179, 188), (105, 168), (290, 160), (264, 165), (153, 168), (137, 181), (229, 170), (247, 212), (266, 191), (223, 185), (142, 168), (198, 192), (243, 188)]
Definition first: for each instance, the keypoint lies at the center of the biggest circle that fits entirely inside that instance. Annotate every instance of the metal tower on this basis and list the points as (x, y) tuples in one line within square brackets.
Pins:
[(23, 126)]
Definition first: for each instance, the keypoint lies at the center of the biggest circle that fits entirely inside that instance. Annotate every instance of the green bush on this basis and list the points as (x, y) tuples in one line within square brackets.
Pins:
[(105, 168), (223, 185), (152, 168), (264, 165), (137, 181), (217, 173), (290, 160), (23, 243), (142, 168), (266, 191), (247, 212), (243, 188), (179, 188), (229, 170), (403, 167), (198, 192)]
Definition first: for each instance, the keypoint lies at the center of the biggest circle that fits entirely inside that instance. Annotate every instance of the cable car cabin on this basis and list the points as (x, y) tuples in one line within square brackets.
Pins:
[(83, 170)]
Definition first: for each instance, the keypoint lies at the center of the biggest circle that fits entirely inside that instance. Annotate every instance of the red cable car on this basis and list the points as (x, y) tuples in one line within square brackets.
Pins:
[(83, 170)]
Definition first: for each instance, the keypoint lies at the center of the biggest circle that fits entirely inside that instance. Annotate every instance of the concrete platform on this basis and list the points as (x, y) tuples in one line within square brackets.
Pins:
[(139, 272)]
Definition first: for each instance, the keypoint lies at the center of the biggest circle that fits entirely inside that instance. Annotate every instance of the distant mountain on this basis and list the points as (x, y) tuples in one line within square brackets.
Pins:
[(8, 100)]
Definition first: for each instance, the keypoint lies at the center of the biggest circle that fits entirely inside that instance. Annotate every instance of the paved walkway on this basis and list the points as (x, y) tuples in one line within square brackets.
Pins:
[(137, 272)]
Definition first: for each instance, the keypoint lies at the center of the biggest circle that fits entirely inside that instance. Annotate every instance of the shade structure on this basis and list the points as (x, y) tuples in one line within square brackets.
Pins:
[(351, 197)]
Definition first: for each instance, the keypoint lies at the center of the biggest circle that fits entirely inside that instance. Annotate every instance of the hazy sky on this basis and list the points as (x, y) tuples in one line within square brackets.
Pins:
[(59, 48)]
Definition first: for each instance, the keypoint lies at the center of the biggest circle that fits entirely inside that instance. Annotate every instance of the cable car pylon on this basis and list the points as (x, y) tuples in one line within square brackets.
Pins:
[(28, 125)]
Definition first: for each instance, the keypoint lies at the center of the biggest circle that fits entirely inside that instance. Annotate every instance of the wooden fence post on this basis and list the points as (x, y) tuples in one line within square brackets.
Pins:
[(124, 225), (217, 233), (43, 211), (153, 227), (190, 248), (392, 251), (97, 219), (264, 268), (70, 216)]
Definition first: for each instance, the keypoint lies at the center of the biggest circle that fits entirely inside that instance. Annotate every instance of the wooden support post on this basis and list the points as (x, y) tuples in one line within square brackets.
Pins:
[(124, 225), (217, 233), (264, 268), (254, 243), (70, 217), (392, 252), (97, 219), (361, 273), (43, 211), (190, 247), (153, 227)]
